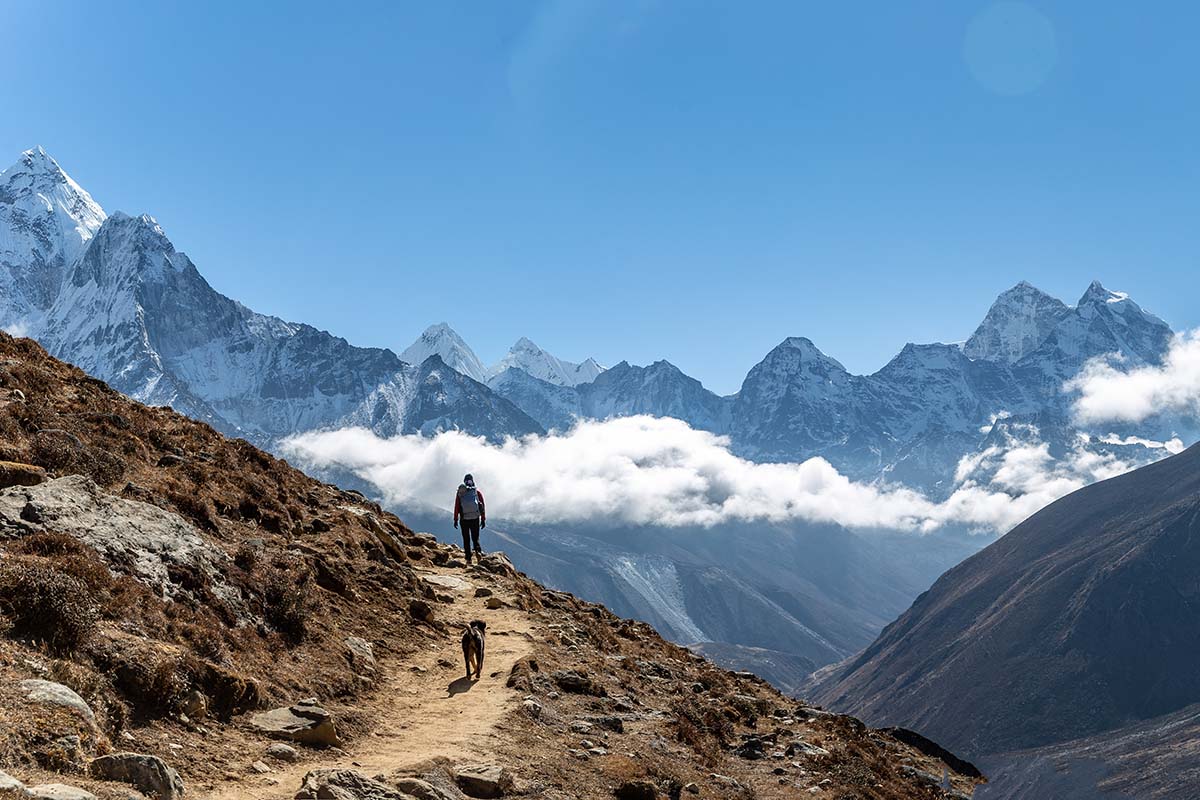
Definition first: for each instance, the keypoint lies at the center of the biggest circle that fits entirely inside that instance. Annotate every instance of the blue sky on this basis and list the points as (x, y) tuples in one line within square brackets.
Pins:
[(634, 180)]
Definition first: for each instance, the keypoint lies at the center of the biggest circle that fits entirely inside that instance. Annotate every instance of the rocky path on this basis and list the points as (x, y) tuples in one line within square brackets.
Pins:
[(427, 709)]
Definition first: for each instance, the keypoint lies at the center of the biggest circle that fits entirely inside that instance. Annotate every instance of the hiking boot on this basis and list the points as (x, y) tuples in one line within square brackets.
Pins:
[(478, 553)]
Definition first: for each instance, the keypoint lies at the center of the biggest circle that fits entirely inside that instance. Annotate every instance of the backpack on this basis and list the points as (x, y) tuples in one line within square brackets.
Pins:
[(468, 500)]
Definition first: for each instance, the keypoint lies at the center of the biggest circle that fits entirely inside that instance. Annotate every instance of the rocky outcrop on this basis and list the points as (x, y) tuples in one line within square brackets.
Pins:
[(150, 775), (133, 537), (305, 722), (345, 784), (55, 694), (483, 780)]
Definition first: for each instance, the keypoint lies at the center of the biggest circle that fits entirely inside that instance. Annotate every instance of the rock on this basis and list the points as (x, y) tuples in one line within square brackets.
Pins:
[(132, 536), (521, 675), (260, 767), (58, 791), (636, 790), (493, 603), (483, 591), (10, 784), (283, 752), (305, 722), (194, 705), (55, 694), (532, 707), (419, 610), (691, 788), (452, 582), (608, 723), (483, 780), (751, 749), (422, 790), (575, 683), (801, 747), (345, 784), (361, 654), (150, 775), (13, 473)]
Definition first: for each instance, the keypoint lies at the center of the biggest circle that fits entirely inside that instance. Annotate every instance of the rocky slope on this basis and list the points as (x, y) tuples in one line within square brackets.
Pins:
[(182, 610), (1083, 620)]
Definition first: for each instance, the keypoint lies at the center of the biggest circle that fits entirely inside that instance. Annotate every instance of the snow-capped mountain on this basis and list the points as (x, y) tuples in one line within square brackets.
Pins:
[(130, 309), (441, 340), (1020, 320), (46, 220), (527, 356)]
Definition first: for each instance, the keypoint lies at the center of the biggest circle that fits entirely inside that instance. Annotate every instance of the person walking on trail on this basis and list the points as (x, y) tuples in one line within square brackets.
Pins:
[(469, 509)]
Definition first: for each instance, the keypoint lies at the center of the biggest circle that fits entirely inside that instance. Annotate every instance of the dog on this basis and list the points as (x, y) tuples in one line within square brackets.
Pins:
[(473, 646)]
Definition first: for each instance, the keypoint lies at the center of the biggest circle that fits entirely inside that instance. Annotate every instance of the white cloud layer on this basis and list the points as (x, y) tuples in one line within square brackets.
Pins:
[(652, 471), (1108, 393)]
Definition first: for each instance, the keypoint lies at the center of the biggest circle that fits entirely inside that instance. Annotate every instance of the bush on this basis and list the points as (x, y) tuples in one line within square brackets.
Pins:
[(47, 605), (288, 601)]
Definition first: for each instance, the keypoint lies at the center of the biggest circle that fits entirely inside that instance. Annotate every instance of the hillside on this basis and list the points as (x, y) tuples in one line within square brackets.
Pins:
[(181, 583), (1083, 620)]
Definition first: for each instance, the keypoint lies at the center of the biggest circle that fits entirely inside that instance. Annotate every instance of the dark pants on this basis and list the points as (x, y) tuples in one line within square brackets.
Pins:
[(470, 532)]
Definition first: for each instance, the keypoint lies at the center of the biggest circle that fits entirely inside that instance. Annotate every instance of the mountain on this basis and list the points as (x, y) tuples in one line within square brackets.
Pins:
[(527, 356), (441, 340), (1082, 621), (186, 615), (1016, 324), (660, 390), (554, 407), (46, 220), (117, 298)]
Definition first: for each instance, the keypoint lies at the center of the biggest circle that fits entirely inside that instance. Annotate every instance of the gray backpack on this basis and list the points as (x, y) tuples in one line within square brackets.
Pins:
[(468, 500)]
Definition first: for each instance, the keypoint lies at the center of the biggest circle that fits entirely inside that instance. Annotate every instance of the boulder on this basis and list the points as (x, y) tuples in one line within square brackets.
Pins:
[(305, 722), (493, 603), (423, 790), (345, 784), (283, 752), (58, 791), (483, 591), (150, 775), (420, 610), (483, 780), (55, 694), (13, 473)]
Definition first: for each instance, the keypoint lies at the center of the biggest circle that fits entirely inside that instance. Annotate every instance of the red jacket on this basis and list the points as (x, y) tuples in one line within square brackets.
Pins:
[(458, 506)]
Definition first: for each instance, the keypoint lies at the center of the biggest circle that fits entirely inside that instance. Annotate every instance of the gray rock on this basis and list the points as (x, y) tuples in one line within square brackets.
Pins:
[(345, 784), (305, 722), (423, 790), (260, 767), (58, 791), (283, 752), (10, 784), (361, 654), (483, 780), (55, 694), (131, 536), (148, 774)]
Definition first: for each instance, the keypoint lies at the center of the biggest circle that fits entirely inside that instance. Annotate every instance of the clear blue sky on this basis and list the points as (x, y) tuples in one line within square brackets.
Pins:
[(639, 180)]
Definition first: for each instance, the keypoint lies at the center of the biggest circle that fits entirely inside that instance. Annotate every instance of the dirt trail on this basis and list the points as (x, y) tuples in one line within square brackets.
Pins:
[(420, 715)]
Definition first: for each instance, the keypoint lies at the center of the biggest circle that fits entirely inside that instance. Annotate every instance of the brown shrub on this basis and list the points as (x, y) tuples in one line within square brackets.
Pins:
[(288, 600), (47, 605), (705, 730)]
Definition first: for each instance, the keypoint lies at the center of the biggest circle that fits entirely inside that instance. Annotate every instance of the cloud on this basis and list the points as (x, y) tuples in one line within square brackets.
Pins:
[(656, 471), (18, 329), (1108, 393)]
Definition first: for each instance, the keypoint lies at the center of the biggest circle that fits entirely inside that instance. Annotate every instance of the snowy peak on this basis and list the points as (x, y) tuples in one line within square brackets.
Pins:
[(442, 340), (128, 249), (799, 350), (537, 362), (1019, 320), (46, 221)]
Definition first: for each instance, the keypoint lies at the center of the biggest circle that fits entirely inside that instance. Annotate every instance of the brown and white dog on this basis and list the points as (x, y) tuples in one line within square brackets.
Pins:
[(473, 645)]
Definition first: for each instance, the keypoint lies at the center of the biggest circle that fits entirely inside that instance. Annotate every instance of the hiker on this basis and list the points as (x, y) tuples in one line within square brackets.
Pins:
[(468, 507)]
